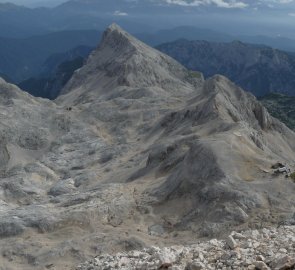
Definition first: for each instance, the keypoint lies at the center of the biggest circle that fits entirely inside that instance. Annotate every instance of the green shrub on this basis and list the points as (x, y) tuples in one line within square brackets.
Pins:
[(194, 74), (293, 176)]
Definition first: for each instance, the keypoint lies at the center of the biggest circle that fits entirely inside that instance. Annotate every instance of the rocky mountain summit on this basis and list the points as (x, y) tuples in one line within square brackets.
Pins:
[(123, 61), (137, 151)]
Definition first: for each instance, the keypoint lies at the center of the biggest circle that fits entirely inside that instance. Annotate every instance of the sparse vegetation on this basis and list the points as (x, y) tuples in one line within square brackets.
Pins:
[(281, 107), (293, 176), (194, 74)]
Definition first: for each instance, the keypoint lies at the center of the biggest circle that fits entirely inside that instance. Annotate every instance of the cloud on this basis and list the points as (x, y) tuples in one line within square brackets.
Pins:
[(229, 3), (120, 13), (275, 2), (218, 3), (285, 1)]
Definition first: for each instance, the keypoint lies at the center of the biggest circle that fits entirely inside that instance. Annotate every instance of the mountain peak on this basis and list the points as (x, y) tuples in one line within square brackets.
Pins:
[(123, 60), (117, 38), (115, 27)]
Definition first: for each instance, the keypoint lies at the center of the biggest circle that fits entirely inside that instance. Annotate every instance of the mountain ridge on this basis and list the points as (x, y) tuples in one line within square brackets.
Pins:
[(137, 151), (257, 68)]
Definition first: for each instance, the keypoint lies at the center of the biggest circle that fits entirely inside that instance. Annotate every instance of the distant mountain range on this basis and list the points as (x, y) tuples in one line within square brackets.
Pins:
[(52, 63), (55, 73), (50, 87), (136, 16), (182, 32), (19, 21), (29, 36), (195, 33), (51, 76), (29, 59), (257, 68), (5, 77), (21, 59)]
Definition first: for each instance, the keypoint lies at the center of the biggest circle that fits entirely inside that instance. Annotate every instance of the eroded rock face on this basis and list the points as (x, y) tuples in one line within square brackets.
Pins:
[(10, 228), (33, 140), (138, 151), (4, 154)]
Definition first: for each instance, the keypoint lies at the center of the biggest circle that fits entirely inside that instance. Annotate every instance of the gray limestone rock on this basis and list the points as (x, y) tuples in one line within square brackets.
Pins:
[(146, 147)]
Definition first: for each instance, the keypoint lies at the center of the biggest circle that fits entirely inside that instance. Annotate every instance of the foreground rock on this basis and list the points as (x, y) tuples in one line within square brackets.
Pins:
[(264, 249)]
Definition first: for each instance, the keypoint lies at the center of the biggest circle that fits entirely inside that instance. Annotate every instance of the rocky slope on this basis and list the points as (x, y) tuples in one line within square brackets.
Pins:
[(138, 151), (264, 249), (257, 68)]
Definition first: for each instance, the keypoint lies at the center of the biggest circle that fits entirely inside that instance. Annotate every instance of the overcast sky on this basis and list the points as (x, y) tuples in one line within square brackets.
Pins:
[(223, 4), (234, 4), (250, 17), (283, 10), (34, 3)]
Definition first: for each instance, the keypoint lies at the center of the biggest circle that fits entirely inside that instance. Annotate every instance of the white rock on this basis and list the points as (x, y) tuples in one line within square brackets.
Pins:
[(195, 266), (260, 258), (261, 266), (167, 257), (283, 263), (231, 242), (283, 250), (214, 242), (239, 236)]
